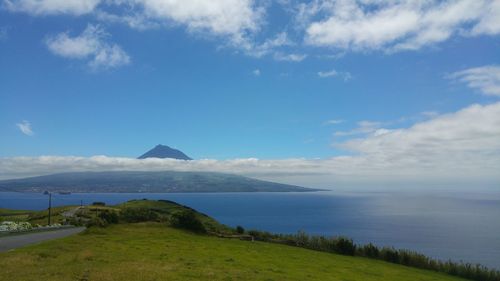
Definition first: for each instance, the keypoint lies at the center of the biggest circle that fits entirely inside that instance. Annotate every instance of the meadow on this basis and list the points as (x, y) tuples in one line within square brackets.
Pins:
[(153, 251)]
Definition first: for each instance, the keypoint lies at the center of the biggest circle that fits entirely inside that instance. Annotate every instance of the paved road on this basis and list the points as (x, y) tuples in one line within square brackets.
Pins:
[(16, 241)]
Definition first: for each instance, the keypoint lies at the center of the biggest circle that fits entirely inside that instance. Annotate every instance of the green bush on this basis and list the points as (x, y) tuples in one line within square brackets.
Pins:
[(262, 235), (138, 215), (369, 250), (110, 217), (240, 229), (188, 220), (345, 246), (97, 222), (76, 221)]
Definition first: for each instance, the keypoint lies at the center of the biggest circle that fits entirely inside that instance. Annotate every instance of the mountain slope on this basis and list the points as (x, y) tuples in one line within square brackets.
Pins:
[(166, 181), (163, 151)]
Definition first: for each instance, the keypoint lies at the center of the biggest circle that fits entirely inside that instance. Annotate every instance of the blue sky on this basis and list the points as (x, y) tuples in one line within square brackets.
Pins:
[(223, 80)]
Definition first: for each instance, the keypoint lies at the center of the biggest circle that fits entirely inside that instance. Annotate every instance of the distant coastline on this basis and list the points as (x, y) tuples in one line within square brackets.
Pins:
[(146, 182)]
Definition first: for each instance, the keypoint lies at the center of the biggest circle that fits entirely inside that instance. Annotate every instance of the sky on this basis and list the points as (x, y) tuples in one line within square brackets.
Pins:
[(319, 93)]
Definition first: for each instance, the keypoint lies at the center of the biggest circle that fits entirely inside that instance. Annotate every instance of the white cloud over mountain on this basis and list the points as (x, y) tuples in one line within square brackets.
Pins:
[(90, 45), (463, 145)]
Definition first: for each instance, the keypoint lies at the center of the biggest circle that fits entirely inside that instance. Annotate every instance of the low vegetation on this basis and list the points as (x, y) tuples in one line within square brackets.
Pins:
[(107, 220), (345, 246), (152, 251), (13, 215)]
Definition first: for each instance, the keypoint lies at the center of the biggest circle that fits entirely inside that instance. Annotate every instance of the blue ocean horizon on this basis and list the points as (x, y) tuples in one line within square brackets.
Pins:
[(461, 226)]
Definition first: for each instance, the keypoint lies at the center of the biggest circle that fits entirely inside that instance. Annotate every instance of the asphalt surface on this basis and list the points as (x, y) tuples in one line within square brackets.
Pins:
[(15, 241)]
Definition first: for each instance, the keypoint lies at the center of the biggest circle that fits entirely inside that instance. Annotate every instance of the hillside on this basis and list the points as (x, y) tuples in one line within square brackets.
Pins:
[(160, 182), (162, 209), (152, 251)]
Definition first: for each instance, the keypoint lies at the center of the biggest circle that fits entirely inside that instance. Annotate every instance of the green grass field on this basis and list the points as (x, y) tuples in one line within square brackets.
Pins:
[(153, 251)]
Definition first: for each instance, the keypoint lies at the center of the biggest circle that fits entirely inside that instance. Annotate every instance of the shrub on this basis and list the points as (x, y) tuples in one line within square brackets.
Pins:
[(97, 222), (302, 239), (262, 235), (389, 254), (345, 246), (187, 220), (138, 215), (76, 221), (98, 204), (110, 217), (369, 250), (240, 229)]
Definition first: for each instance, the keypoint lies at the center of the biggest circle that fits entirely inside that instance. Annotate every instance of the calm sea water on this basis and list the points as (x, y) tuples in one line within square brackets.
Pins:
[(445, 225)]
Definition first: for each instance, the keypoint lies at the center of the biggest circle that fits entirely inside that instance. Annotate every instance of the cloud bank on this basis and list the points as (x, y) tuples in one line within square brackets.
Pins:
[(463, 146)]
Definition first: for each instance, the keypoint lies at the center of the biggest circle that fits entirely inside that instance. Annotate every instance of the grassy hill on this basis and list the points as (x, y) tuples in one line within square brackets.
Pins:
[(162, 210), (152, 251)]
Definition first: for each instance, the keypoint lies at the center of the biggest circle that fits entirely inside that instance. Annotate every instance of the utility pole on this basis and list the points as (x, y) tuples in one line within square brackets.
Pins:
[(50, 205)]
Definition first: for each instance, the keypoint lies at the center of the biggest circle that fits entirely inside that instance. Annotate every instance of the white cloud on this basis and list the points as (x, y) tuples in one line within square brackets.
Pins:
[(395, 25), (489, 23), (289, 57), (334, 122), (137, 21), (256, 72), (25, 128), (268, 46), (272, 46), (325, 74), (91, 45), (50, 7), (364, 127), (467, 141), (344, 25), (4, 33), (236, 19), (346, 76), (485, 79), (458, 147), (429, 114)]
